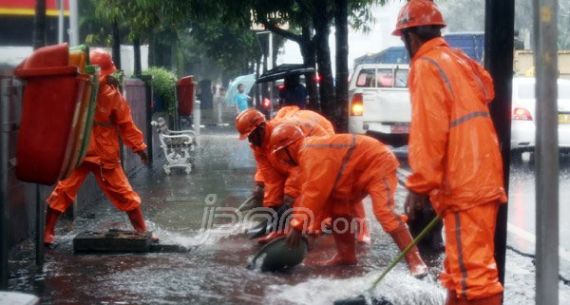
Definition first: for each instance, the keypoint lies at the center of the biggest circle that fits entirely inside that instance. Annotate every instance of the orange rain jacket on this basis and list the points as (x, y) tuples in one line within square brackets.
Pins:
[(338, 171), (278, 178), (112, 117), (453, 149)]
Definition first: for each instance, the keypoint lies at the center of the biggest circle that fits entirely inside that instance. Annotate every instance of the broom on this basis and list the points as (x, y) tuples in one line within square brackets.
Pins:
[(362, 299)]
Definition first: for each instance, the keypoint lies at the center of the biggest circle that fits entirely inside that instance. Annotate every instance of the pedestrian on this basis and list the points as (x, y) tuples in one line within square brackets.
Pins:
[(241, 99), (337, 172), (293, 93), (278, 184), (219, 101), (453, 153), (112, 118)]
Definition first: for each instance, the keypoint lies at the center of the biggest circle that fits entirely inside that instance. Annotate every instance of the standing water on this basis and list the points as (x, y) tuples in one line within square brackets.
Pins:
[(177, 208)]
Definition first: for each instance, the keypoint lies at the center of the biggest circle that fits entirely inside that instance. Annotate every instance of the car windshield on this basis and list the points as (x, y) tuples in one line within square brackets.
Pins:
[(383, 78), (526, 91)]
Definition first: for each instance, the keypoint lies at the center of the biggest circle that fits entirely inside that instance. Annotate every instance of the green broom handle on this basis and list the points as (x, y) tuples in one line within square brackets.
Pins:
[(414, 242)]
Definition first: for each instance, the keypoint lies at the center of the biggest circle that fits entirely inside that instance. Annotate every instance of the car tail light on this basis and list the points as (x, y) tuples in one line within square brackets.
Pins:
[(317, 78), (266, 102), (357, 105), (521, 114)]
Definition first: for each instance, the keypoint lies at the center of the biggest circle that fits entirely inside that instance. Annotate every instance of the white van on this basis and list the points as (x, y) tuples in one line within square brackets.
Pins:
[(380, 102)]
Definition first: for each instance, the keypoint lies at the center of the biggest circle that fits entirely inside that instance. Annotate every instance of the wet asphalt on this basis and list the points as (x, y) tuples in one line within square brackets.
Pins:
[(213, 271)]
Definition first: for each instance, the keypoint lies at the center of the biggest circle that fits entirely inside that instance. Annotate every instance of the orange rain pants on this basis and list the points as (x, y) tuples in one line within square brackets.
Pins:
[(338, 172), (112, 181), (455, 159), (469, 267)]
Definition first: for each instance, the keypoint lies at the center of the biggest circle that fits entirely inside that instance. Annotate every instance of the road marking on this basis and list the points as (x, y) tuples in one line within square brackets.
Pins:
[(531, 238)]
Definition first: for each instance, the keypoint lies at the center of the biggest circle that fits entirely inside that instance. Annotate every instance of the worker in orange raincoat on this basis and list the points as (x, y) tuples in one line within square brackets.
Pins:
[(112, 118), (281, 182), (453, 153), (338, 171)]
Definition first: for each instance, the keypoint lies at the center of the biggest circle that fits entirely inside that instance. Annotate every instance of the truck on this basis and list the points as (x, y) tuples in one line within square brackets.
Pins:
[(379, 99)]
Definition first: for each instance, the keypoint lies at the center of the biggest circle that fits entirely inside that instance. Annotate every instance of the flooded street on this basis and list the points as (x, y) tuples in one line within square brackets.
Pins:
[(213, 271)]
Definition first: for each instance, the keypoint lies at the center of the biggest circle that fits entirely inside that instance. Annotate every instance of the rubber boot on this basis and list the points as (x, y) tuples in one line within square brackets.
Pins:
[(451, 298), (137, 220), (345, 242), (492, 300), (363, 232), (49, 230), (403, 238), (269, 237)]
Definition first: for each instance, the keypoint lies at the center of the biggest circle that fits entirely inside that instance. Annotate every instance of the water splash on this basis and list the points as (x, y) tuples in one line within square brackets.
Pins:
[(398, 287), (208, 237)]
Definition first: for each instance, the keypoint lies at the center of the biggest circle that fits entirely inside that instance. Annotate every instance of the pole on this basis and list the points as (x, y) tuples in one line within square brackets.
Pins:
[(73, 23), (148, 101), (546, 151), (499, 41), (39, 228), (4, 218), (40, 24), (270, 61), (60, 21)]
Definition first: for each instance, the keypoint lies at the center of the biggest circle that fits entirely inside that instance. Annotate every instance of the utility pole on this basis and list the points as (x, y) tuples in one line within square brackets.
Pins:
[(499, 46), (546, 151), (40, 24), (60, 21), (73, 23)]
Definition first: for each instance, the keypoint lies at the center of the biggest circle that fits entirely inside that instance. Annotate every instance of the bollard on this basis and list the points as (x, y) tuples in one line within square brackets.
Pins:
[(4, 139), (196, 117)]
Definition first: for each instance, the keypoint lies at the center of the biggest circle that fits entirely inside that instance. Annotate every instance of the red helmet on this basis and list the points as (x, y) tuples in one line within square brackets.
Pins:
[(284, 135), (247, 121), (418, 13), (104, 60)]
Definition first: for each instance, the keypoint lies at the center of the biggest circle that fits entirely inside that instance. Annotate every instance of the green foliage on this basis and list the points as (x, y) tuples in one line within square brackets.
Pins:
[(164, 86)]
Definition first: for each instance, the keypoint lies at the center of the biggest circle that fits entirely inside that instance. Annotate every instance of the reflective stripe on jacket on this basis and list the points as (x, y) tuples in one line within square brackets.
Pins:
[(340, 168), (112, 118), (453, 150)]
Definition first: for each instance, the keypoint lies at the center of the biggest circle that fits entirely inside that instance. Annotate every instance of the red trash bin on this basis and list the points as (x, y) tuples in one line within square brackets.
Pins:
[(52, 91), (185, 95)]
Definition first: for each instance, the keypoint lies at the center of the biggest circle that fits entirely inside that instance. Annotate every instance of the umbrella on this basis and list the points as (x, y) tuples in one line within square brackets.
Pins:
[(247, 80)]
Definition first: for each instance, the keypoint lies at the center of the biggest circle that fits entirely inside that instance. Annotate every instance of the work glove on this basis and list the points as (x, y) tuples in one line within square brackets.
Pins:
[(258, 193), (294, 238), (288, 200), (415, 203), (144, 157)]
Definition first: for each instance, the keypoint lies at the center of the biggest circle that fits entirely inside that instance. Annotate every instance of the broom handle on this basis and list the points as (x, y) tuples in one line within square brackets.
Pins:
[(394, 262), (241, 206)]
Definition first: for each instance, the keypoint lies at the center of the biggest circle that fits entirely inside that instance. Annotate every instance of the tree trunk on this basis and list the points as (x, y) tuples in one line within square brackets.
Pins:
[(322, 24), (40, 24), (116, 36), (151, 50), (341, 23), (137, 56), (257, 87), (308, 51)]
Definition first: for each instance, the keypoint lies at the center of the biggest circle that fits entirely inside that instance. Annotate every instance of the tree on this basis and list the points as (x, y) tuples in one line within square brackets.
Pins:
[(341, 24), (457, 20)]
